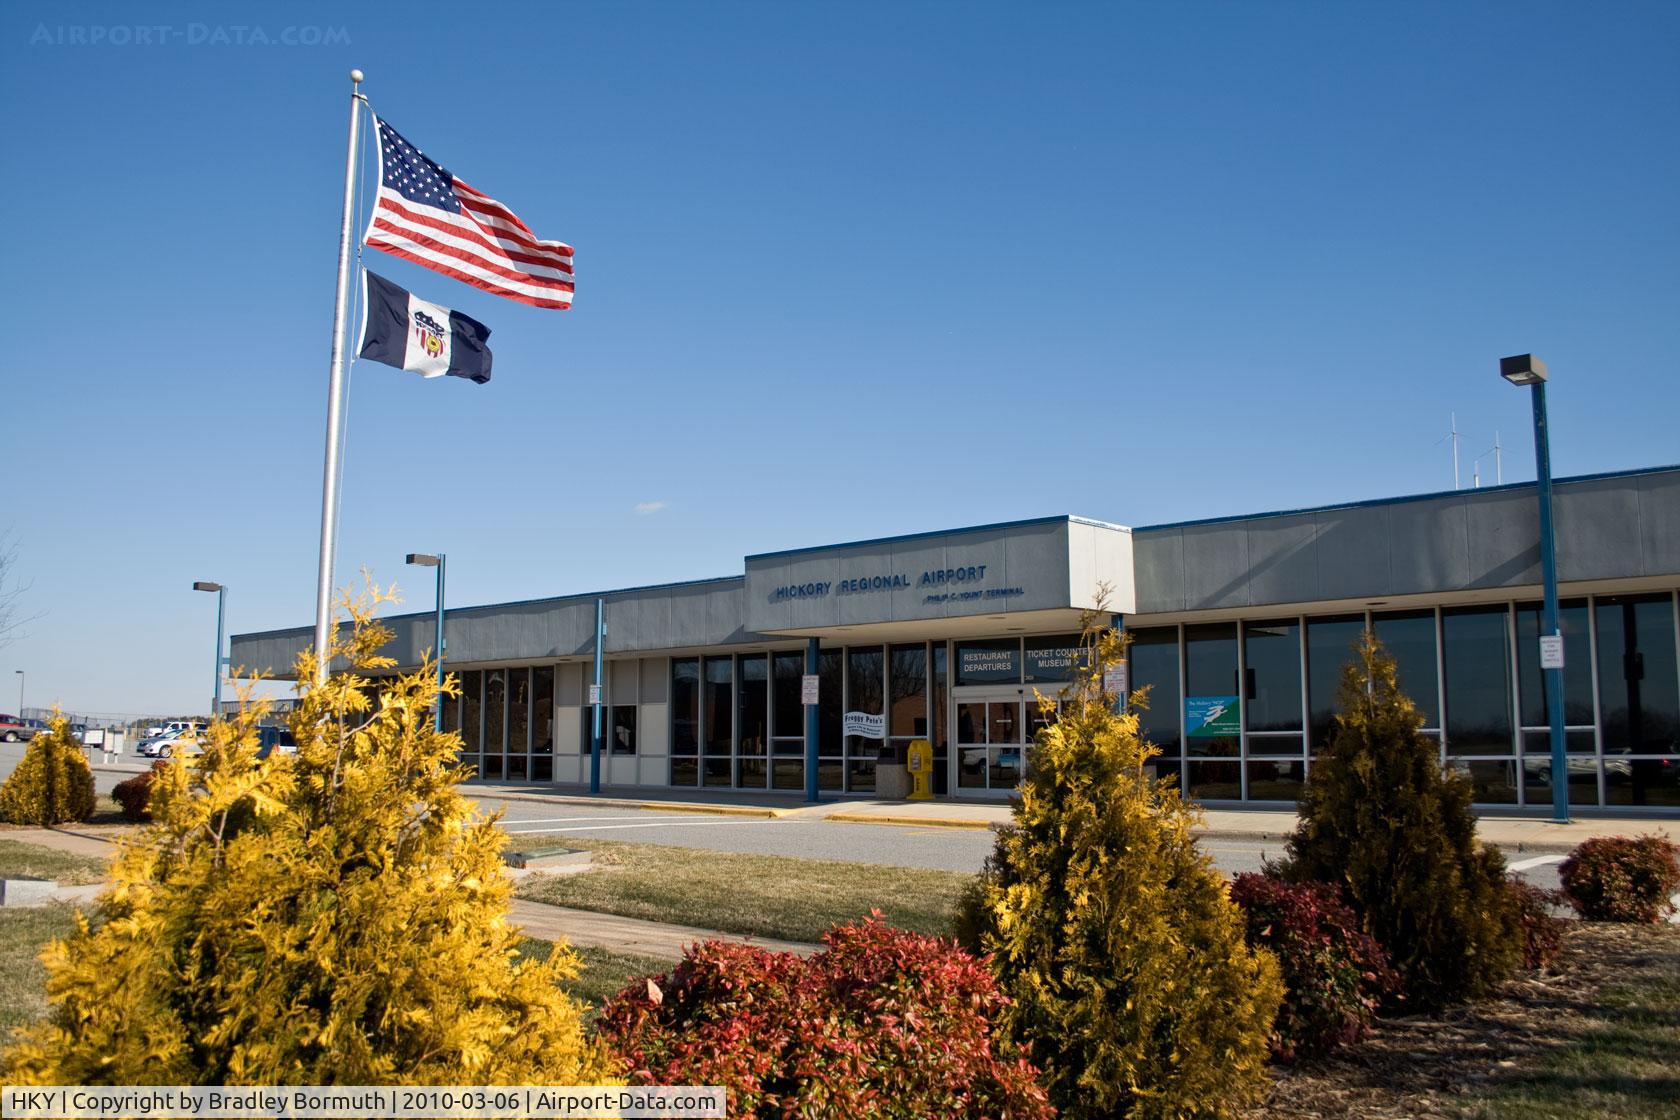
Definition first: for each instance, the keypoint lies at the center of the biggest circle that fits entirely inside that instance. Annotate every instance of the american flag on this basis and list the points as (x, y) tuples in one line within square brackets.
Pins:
[(428, 216)]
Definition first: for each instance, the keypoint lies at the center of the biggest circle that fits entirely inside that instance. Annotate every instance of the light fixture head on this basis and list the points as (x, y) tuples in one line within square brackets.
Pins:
[(206, 585), (424, 559), (1522, 369)]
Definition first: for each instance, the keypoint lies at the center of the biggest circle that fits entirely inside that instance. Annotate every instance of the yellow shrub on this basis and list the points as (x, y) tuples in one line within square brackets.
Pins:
[(335, 916), (1134, 989), (52, 784)]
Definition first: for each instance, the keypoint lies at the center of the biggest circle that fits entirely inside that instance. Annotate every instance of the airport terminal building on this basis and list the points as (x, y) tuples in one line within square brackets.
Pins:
[(1239, 626)]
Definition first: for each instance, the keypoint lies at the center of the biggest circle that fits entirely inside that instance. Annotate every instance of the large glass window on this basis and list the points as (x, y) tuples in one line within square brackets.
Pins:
[(1272, 651), (685, 721), (907, 690), (542, 710), (864, 669), (1476, 651), (1154, 660), (1577, 666), (1638, 686), (495, 711), (717, 721), (519, 723), (787, 722), (1409, 637), (937, 696), (472, 686), (1211, 702), (621, 735), (831, 707), (753, 722), (1332, 645), (685, 706)]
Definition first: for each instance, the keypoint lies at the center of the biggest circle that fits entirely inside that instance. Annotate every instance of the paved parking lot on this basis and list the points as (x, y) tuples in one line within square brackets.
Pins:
[(948, 849)]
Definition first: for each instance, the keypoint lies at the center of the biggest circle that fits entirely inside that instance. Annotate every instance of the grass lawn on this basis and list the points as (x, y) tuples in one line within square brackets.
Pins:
[(1598, 1036), (766, 896), (605, 973), (23, 934), (1620, 1056), (31, 861)]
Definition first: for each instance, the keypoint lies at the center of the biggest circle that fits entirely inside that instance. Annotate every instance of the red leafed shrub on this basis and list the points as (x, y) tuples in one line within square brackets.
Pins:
[(1542, 930), (1622, 879), (134, 793), (881, 1023), (1335, 975)]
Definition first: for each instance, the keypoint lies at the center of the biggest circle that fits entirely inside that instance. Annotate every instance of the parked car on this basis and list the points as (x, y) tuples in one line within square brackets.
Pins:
[(171, 744), (272, 739), (14, 730)]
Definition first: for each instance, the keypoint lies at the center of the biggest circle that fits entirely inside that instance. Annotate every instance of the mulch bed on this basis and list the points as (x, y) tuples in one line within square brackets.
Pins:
[(1423, 1068)]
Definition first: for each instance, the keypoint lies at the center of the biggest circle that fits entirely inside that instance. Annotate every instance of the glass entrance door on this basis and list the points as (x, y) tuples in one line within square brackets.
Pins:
[(993, 729)]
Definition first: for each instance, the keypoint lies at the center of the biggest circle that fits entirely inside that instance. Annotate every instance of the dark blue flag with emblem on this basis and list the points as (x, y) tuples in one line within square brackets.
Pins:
[(405, 331)]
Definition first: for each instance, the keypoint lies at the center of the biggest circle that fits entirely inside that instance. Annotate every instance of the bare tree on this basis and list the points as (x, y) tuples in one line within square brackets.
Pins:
[(12, 588)]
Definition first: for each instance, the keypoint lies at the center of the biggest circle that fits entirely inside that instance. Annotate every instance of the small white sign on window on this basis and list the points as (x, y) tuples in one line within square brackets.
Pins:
[(866, 725), (808, 688), (594, 695), (1551, 651)]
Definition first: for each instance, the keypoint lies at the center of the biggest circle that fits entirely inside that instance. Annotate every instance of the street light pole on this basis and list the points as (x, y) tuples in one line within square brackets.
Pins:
[(19, 673), (440, 561), (1526, 369), (221, 617)]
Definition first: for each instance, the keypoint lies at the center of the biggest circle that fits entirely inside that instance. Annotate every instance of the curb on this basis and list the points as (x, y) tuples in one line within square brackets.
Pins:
[(631, 803), (913, 822)]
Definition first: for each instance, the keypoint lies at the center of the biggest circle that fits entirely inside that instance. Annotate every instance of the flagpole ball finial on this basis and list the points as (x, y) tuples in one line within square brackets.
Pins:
[(357, 76)]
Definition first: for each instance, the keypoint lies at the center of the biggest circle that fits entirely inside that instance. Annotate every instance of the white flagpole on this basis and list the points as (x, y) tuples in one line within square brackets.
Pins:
[(335, 388)]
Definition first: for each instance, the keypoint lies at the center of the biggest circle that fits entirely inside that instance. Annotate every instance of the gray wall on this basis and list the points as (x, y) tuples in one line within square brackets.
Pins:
[(656, 618), (1607, 528)]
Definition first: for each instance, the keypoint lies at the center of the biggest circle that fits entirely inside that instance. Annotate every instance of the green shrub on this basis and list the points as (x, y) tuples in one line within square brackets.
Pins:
[(53, 783), (1133, 989), (1542, 930), (1335, 975), (881, 1023), (133, 794), (338, 916), (1621, 878), (1379, 817)]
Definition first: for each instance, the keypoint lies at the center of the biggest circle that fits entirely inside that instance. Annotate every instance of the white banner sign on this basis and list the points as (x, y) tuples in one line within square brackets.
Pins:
[(866, 725), (808, 688), (594, 694), (1115, 678)]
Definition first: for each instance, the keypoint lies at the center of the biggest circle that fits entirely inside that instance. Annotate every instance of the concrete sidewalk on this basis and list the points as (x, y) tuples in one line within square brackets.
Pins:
[(537, 919), (1527, 833)]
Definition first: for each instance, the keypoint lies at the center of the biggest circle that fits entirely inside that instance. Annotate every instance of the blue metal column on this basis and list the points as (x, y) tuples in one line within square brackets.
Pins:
[(216, 693), (811, 727), (437, 705), (1120, 700), (1549, 620), (595, 739)]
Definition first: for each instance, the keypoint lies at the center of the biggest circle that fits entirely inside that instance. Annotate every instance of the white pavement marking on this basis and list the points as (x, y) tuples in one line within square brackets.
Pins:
[(658, 824), (576, 820), (1537, 861)]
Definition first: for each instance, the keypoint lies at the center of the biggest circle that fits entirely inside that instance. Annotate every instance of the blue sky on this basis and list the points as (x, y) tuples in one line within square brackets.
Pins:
[(843, 271)]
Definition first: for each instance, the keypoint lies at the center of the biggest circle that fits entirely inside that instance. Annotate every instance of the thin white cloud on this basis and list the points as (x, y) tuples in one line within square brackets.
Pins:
[(644, 508)]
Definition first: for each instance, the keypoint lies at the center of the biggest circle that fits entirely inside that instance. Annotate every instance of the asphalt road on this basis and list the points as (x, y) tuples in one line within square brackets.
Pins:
[(948, 849)]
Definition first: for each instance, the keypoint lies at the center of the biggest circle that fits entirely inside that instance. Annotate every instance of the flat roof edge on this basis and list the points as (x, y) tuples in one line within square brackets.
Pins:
[(1404, 498), (584, 596)]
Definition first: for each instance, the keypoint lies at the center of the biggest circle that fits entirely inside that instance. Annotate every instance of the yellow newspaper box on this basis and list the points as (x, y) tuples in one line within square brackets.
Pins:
[(919, 762)]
